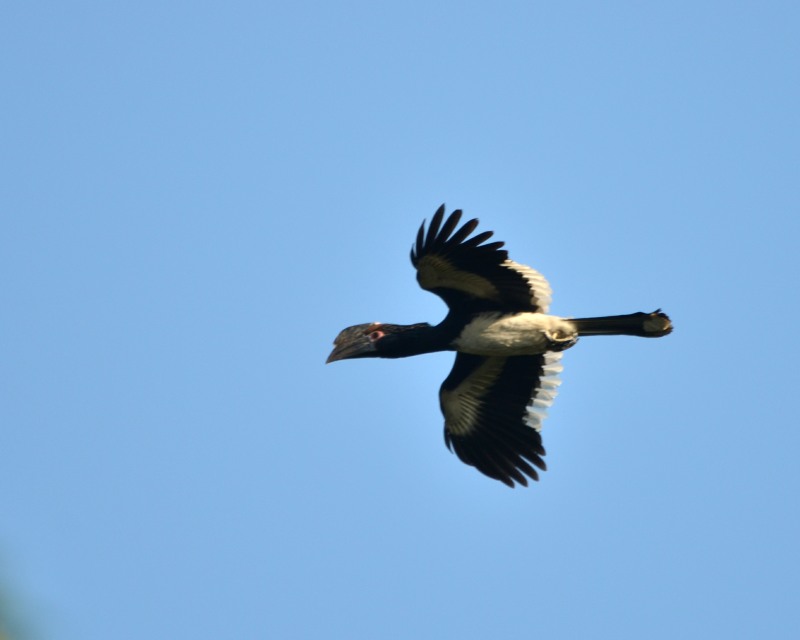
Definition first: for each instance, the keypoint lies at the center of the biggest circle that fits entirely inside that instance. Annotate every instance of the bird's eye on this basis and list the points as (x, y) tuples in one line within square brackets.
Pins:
[(375, 335)]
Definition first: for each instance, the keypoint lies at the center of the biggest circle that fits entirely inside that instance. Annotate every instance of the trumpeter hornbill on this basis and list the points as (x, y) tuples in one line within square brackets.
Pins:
[(507, 348)]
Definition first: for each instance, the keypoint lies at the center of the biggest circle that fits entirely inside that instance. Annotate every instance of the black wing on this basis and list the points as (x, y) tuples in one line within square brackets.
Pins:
[(463, 270), (493, 410)]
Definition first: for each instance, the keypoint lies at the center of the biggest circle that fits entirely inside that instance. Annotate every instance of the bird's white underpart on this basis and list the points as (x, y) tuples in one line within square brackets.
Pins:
[(519, 334)]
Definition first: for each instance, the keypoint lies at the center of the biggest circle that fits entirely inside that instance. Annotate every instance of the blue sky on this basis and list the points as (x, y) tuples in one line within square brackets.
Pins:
[(196, 197)]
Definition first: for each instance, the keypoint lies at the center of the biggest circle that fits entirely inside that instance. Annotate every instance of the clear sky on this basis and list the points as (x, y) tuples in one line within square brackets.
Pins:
[(196, 197)]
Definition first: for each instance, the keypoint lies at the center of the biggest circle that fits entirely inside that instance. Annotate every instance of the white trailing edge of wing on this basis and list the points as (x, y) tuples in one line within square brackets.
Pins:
[(546, 392), (541, 293)]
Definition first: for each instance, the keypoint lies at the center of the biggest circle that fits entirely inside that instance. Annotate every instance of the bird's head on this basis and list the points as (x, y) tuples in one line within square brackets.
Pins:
[(359, 341), (377, 340)]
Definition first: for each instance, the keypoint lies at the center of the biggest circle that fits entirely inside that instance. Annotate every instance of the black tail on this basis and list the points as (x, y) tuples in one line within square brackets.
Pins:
[(646, 325)]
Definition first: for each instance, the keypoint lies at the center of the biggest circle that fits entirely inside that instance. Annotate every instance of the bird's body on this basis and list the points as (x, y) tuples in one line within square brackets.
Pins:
[(508, 348), (497, 333)]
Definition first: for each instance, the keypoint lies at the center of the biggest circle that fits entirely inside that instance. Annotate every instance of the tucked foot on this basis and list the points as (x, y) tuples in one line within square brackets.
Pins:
[(559, 341)]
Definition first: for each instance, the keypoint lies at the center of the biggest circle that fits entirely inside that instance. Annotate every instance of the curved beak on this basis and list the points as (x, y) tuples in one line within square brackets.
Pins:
[(351, 343)]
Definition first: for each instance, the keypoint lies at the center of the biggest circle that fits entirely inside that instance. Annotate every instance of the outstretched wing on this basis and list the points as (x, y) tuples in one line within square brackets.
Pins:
[(463, 270), (493, 410)]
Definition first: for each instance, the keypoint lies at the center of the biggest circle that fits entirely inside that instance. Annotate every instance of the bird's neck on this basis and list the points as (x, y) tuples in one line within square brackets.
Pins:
[(416, 339)]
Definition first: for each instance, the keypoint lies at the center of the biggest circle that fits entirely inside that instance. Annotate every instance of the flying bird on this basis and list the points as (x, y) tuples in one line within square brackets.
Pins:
[(508, 348)]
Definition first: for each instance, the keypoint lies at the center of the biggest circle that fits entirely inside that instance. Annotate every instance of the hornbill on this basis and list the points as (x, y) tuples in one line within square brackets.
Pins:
[(507, 347)]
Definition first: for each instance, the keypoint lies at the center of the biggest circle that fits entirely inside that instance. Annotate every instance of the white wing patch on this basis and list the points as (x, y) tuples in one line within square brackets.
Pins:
[(437, 272), (548, 389), (460, 406), (541, 293)]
